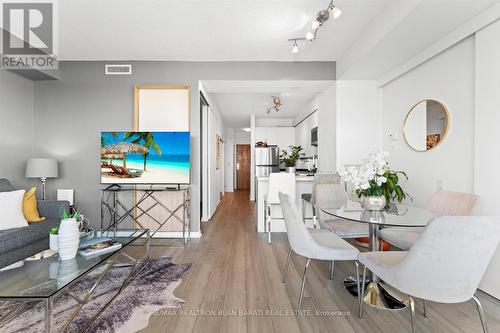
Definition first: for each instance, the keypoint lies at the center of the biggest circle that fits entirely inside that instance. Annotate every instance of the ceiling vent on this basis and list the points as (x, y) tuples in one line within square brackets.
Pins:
[(118, 69)]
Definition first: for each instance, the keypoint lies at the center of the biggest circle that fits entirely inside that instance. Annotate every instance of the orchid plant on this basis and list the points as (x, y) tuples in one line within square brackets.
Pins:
[(375, 178)]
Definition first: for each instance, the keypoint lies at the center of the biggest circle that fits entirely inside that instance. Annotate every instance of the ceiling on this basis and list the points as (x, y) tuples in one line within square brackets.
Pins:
[(215, 30), (370, 38), (236, 101)]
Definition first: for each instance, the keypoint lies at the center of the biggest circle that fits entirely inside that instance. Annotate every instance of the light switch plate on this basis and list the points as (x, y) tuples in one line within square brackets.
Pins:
[(441, 185)]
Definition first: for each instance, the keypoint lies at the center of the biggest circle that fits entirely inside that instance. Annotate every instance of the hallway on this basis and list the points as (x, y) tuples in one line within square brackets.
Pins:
[(235, 285)]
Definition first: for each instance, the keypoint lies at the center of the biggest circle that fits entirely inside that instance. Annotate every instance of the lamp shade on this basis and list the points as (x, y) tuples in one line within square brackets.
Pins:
[(41, 168)]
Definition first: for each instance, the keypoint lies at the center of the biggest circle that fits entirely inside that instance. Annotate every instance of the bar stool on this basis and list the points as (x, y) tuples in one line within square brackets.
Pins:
[(278, 182)]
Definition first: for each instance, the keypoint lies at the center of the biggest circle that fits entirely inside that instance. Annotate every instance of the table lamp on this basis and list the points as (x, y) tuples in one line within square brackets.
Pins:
[(42, 168)]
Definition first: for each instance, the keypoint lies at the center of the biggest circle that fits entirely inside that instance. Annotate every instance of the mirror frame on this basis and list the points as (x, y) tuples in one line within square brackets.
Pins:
[(448, 121)]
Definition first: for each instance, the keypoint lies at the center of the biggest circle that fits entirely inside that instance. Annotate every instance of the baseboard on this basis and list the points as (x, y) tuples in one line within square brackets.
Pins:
[(491, 297)]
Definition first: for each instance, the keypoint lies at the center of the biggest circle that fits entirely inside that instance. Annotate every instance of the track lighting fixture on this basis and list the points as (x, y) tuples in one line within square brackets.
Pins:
[(321, 17)]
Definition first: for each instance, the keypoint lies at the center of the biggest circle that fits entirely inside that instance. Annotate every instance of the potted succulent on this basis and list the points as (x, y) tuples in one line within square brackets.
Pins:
[(68, 235), (53, 238), (290, 160), (374, 182)]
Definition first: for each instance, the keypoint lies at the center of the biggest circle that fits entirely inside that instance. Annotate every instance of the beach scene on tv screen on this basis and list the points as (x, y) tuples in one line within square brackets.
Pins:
[(145, 157)]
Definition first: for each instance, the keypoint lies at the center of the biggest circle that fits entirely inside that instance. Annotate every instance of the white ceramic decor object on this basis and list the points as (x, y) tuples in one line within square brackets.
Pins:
[(68, 239)]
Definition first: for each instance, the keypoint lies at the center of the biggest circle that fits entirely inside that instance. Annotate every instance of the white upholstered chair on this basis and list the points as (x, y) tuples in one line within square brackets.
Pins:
[(314, 245), (319, 178), (442, 203), (330, 195), (284, 182), (441, 266)]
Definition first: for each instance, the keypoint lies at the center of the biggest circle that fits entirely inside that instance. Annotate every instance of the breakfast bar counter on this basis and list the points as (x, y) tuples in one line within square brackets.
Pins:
[(304, 184)]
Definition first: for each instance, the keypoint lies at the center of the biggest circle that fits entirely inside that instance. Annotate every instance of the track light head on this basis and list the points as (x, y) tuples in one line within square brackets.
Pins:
[(310, 35)]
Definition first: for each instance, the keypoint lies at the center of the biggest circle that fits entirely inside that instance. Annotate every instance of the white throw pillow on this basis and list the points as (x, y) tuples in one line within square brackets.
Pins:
[(11, 210)]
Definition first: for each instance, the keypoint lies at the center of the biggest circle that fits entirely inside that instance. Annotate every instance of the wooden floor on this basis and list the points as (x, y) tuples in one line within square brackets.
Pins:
[(235, 271)]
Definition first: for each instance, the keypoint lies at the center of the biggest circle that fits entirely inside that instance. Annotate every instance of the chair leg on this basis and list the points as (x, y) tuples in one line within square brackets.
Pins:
[(283, 279), (362, 294), (304, 211), (481, 313), (269, 231), (412, 313), (356, 263), (315, 218), (332, 266), (304, 276), (425, 307)]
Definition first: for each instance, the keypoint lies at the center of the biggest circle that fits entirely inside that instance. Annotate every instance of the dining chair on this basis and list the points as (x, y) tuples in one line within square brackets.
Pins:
[(441, 266), (284, 182), (319, 178), (314, 245), (443, 203), (332, 195)]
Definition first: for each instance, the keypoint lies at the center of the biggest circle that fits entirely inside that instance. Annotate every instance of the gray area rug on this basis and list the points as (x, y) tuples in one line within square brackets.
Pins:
[(150, 291)]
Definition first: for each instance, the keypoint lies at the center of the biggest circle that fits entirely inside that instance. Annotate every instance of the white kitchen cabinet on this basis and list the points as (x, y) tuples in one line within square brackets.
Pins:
[(283, 137)]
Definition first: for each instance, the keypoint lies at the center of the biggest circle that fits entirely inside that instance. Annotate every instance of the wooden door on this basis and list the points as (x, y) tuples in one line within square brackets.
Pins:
[(242, 167)]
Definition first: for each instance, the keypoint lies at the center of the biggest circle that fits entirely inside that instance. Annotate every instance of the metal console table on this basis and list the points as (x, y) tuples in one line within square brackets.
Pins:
[(119, 210)]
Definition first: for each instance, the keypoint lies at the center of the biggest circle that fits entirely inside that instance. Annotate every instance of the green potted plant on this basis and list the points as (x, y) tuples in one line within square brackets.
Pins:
[(290, 160), (53, 238)]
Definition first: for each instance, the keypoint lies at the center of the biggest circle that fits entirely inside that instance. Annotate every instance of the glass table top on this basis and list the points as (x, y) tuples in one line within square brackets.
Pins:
[(45, 277), (398, 215)]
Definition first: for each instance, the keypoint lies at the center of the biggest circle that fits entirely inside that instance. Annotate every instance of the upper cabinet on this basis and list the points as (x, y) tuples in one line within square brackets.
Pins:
[(283, 137)]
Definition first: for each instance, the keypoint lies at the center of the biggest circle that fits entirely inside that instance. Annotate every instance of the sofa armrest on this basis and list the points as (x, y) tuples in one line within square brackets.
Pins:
[(50, 209)]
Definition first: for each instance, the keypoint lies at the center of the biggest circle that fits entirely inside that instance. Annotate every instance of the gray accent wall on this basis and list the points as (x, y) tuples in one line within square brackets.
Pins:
[(16, 127), (71, 112)]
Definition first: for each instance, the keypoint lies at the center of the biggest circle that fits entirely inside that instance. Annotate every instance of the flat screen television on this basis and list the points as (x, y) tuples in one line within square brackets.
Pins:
[(145, 158)]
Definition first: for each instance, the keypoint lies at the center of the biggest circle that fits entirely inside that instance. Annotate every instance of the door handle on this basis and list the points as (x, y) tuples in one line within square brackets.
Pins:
[(237, 166)]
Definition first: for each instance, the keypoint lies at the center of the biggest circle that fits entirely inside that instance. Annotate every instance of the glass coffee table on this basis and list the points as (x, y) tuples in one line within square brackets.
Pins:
[(42, 280)]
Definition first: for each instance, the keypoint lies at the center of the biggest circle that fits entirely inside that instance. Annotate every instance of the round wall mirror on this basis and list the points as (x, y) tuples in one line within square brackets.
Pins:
[(426, 125)]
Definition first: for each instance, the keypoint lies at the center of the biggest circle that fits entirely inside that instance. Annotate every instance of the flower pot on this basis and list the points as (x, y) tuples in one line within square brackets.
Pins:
[(374, 203), (53, 242), (290, 169), (68, 239)]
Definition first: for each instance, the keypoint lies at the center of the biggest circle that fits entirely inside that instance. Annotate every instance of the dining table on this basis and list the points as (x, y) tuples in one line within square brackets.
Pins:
[(396, 215)]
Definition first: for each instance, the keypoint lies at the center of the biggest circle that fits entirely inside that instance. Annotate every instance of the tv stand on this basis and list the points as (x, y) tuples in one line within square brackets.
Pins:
[(117, 207)]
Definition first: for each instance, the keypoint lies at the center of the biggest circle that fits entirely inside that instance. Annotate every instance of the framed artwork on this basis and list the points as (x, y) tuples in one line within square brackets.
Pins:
[(217, 151)]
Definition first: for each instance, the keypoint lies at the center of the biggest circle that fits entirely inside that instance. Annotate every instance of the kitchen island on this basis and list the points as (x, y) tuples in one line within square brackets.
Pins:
[(304, 184)]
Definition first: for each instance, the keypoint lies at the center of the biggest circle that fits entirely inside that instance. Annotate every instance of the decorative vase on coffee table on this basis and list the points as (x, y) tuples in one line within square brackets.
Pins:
[(373, 203), (68, 239)]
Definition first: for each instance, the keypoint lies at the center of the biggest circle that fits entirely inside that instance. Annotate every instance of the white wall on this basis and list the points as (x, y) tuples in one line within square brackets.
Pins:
[(487, 137), (449, 78), (303, 131), (16, 128), (327, 132), (213, 126), (466, 78), (359, 120)]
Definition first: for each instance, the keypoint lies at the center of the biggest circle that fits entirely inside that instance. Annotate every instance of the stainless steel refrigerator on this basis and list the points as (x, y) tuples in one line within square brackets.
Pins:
[(266, 160)]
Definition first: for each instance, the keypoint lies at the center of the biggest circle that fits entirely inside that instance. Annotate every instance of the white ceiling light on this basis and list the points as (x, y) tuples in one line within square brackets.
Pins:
[(335, 12), (321, 17)]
